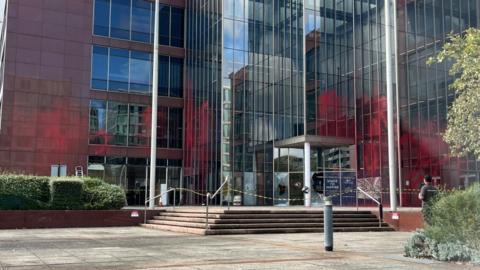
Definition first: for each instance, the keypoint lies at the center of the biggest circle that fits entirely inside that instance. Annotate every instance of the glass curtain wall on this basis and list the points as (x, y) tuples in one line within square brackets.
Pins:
[(203, 97), (423, 28), (263, 65)]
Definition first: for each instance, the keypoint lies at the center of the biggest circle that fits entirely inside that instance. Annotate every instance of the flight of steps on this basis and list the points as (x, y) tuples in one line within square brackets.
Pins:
[(222, 221)]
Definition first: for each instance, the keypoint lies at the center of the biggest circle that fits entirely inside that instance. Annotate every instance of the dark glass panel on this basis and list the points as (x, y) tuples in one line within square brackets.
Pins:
[(119, 67), (163, 71), (164, 25), (99, 68), (175, 131), (141, 20), (176, 77), (177, 27), (162, 127), (120, 21), (101, 19)]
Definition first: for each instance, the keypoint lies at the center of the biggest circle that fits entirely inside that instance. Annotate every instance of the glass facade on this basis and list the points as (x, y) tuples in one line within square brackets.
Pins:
[(133, 20), (130, 173), (123, 70), (115, 123), (261, 72), (424, 93)]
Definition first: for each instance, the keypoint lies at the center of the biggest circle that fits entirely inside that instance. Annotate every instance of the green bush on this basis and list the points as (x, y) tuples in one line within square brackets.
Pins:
[(452, 232), (67, 194), (456, 218), (20, 192), (100, 195)]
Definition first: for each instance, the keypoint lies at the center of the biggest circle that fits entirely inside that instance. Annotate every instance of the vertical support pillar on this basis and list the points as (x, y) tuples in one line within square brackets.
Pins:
[(392, 171), (307, 176), (153, 136)]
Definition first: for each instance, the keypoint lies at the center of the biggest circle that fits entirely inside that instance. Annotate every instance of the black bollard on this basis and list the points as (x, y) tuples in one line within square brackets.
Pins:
[(328, 224)]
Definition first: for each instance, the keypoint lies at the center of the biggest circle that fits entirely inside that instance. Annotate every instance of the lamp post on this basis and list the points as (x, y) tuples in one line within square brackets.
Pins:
[(153, 136)]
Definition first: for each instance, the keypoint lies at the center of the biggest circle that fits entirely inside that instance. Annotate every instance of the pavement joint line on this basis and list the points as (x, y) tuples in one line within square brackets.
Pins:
[(238, 262)]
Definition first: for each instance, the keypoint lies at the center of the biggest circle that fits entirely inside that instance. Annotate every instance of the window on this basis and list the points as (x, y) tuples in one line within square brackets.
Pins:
[(164, 22), (100, 68), (102, 18), (134, 19), (163, 70), (123, 70), (176, 77), (97, 121), (120, 19), (162, 127), (140, 70), (142, 21), (117, 123), (175, 131), (118, 72), (176, 27), (138, 125)]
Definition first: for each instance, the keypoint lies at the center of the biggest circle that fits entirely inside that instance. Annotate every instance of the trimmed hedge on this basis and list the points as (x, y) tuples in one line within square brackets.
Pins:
[(101, 195), (66, 194), (20, 192), (25, 192)]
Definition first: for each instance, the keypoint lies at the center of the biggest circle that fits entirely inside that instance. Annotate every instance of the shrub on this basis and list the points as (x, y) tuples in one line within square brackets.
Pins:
[(100, 195), (452, 231), (66, 194), (456, 218), (20, 192)]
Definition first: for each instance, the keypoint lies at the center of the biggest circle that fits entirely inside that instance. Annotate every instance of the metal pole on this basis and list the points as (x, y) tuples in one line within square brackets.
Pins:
[(397, 79), (174, 197), (307, 176), (206, 212), (328, 224), (153, 136), (392, 172)]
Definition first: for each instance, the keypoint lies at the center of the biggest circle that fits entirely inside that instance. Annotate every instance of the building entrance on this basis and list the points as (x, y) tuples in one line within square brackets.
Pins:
[(332, 174)]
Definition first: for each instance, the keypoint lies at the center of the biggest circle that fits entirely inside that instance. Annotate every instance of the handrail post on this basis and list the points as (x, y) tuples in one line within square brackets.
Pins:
[(206, 212), (380, 213), (356, 197), (145, 213), (174, 197)]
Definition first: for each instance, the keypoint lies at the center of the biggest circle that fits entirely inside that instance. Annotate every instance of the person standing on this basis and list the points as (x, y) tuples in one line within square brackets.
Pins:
[(427, 191)]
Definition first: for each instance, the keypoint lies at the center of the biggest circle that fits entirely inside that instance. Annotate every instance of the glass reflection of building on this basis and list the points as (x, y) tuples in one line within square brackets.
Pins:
[(265, 77)]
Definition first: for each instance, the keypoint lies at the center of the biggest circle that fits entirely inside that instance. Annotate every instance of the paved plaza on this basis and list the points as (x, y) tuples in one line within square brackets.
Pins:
[(139, 248)]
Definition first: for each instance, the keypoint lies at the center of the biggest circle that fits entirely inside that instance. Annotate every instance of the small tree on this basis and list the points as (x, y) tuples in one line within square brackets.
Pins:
[(463, 128)]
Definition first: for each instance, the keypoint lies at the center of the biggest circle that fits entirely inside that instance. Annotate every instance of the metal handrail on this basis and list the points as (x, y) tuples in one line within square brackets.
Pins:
[(380, 206), (150, 199), (210, 196)]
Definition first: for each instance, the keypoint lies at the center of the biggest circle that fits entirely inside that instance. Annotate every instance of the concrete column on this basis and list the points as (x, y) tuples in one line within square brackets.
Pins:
[(307, 176)]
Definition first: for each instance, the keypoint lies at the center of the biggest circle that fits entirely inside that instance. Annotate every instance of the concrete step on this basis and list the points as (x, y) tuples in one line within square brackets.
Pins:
[(178, 229), (253, 211), (294, 230), (262, 225), (275, 216), (256, 220)]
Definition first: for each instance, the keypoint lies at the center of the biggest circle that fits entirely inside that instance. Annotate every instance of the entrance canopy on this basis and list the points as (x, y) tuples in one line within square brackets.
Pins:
[(314, 141)]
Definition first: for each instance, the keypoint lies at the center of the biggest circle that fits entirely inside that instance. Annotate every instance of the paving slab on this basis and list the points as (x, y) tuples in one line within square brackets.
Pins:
[(141, 248)]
